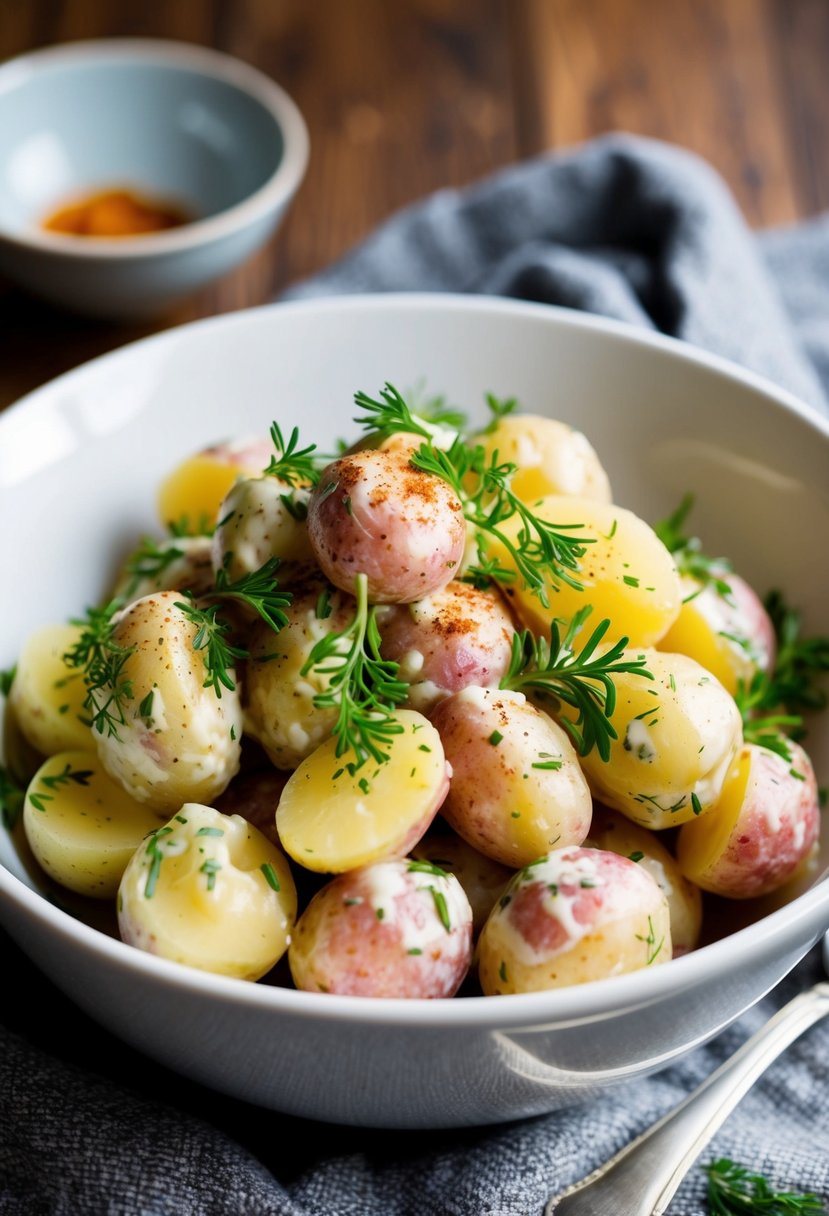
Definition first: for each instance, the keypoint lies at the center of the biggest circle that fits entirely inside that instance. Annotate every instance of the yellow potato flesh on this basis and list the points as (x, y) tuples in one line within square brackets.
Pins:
[(331, 820), (676, 736), (47, 697), (714, 632), (81, 826), (626, 574), (702, 843), (209, 890), (195, 489), (552, 458)]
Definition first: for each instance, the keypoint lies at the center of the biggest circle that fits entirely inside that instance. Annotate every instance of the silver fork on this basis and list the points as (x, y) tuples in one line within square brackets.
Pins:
[(642, 1178)]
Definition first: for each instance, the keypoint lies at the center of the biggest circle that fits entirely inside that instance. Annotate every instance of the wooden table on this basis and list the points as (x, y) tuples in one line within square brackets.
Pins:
[(405, 96)]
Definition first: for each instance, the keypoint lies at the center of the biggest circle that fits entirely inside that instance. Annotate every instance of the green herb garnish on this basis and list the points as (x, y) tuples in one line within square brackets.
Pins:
[(362, 686), (579, 678), (735, 1191), (102, 661), (293, 465)]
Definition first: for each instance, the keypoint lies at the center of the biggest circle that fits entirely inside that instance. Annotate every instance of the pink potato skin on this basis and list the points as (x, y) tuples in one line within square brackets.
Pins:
[(574, 915), (403, 528), (620, 893), (377, 932), (462, 635), (756, 623), (775, 831), (501, 798)]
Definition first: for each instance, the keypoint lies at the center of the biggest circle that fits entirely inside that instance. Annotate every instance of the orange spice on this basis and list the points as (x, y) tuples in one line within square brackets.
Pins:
[(116, 213)]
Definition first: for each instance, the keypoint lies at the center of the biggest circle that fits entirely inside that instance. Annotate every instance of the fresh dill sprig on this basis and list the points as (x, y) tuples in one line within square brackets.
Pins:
[(772, 703), (687, 551), (102, 661), (390, 415), (77, 776), (184, 526), (12, 797), (735, 1191), (436, 411), (542, 552), (258, 591), (579, 678), (293, 465), (499, 409), (149, 561), (363, 687), (212, 636)]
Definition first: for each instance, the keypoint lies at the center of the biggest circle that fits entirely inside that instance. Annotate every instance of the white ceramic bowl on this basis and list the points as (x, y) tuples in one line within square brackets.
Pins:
[(166, 119), (79, 463)]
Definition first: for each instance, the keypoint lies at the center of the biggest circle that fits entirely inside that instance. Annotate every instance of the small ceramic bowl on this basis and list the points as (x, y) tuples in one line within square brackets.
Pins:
[(163, 120)]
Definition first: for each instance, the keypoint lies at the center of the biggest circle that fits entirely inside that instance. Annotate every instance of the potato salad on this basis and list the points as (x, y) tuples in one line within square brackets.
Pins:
[(431, 714)]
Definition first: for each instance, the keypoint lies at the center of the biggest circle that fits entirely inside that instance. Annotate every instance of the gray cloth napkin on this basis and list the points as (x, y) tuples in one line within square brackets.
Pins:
[(624, 227)]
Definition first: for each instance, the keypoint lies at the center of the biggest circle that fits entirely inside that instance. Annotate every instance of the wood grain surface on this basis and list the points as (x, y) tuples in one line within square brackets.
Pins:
[(403, 97)]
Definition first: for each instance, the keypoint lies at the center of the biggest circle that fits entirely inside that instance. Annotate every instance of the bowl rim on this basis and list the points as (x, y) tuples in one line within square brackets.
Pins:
[(205, 61), (551, 1009)]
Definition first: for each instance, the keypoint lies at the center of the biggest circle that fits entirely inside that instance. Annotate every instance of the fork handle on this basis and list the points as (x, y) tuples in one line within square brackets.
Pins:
[(642, 1178)]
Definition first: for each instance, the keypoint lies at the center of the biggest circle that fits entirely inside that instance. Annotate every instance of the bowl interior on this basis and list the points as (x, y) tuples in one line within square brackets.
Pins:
[(80, 459), (73, 125)]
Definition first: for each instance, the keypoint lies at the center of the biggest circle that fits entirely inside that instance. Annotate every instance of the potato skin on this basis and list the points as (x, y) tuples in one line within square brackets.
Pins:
[(732, 637), (573, 916), (459, 635), (394, 929), (761, 831), (517, 789), (188, 747), (482, 879), (374, 513), (616, 834)]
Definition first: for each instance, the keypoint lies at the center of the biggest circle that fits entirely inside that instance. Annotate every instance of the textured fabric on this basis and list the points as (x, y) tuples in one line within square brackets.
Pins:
[(623, 227)]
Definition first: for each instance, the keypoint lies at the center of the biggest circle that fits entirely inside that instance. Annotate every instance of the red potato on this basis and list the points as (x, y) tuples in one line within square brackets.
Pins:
[(374, 513), (617, 834), (395, 929), (573, 916), (459, 635), (195, 488), (517, 789), (730, 635), (482, 879), (763, 828)]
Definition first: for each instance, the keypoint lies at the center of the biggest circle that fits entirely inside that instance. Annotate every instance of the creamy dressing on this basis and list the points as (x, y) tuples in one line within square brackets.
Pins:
[(638, 739), (558, 870)]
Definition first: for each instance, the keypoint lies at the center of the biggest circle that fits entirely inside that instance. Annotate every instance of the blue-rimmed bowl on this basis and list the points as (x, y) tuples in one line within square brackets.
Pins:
[(164, 119)]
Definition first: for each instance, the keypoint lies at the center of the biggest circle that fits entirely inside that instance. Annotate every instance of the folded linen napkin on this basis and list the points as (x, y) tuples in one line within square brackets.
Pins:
[(631, 229)]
